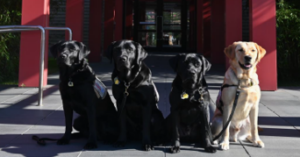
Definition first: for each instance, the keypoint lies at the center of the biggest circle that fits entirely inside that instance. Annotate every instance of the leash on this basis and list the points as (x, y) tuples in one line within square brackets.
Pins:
[(237, 94), (42, 141), (124, 97)]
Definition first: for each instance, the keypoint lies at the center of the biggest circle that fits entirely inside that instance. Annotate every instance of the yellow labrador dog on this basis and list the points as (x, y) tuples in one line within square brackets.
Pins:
[(241, 74)]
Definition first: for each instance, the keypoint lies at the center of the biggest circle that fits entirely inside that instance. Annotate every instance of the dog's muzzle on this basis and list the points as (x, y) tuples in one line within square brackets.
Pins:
[(123, 63), (247, 63)]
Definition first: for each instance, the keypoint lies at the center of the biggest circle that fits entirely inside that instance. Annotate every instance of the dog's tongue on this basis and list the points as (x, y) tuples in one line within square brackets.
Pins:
[(248, 65)]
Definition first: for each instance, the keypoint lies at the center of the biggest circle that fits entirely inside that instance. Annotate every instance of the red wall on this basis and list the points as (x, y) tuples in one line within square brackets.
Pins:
[(233, 23), (206, 13), (129, 17), (34, 12), (95, 29), (74, 18), (263, 32), (119, 19), (109, 23), (217, 31), (199, 26)]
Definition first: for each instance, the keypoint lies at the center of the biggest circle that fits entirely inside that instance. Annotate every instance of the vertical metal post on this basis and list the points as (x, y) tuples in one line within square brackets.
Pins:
[(40, 103)]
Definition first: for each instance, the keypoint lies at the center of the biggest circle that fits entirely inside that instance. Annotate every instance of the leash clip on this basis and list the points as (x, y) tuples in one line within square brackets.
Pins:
[(126, 89), (201, 97)]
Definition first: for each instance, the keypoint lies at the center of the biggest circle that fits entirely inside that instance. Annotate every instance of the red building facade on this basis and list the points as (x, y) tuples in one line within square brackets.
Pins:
[(202, 26)]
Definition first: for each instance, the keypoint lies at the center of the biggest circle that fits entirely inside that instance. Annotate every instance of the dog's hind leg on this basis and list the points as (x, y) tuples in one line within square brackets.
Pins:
[(81, 125), (245, 130)]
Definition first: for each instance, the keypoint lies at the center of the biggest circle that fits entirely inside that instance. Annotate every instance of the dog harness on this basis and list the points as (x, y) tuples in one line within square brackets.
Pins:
[(100, 88), (221, 104)]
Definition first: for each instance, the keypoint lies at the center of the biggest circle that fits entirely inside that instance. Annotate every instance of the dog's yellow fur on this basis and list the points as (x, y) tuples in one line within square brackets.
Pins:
[(244, 121)]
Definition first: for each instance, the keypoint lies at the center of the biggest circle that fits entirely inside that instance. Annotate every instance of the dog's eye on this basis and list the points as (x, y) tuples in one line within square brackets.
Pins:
[(129, 49), (253, 50), (196, 64), (241, 50)]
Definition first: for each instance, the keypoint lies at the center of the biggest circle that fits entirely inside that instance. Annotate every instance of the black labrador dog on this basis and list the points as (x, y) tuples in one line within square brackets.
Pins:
[(135, 94), (190, 103), (82, 92)]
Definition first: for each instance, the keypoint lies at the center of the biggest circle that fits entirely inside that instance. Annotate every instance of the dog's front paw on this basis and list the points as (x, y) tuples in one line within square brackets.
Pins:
[(224, 145), (210, 149), (63, 141), (176, 147), (148, 147), (90, 145), (259, 143)]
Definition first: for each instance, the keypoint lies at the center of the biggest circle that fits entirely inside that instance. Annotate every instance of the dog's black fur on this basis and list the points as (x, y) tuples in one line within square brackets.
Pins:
[(189, 118), (94, 112), (140, 114)]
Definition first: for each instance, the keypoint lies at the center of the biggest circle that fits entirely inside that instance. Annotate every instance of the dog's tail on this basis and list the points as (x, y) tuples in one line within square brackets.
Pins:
[(42, 141)]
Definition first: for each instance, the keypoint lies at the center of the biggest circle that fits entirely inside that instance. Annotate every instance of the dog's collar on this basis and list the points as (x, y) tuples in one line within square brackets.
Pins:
[(201, 91), (127, 84), (242, 83), (84, 63)]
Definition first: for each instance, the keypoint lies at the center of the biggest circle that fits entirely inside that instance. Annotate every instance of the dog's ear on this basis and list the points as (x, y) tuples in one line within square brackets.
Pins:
[(109, 51), (261, 52), (84, 51), (173, 61), (54, 49), (141, 53), (230, 51), (205, 64)]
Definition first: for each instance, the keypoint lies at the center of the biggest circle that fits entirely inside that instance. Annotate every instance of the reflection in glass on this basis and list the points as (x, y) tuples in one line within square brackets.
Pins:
[(147, 16), (147, 39), (172, 39), (172, 16)]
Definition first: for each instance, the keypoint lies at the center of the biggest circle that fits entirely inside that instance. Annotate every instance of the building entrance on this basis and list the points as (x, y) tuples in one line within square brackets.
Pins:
[(163, 25)]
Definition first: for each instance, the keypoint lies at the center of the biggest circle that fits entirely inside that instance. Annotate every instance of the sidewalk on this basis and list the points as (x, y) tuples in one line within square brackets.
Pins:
[(20, 118)]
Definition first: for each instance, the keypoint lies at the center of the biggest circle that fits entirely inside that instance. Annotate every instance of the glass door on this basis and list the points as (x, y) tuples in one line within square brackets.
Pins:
[(170, 25), (145, 23), (161, 25)]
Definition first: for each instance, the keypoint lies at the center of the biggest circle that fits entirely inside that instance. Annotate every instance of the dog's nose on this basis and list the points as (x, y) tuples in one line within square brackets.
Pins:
[(63, 56), (192, 72), (248, 58), (123, 58)]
